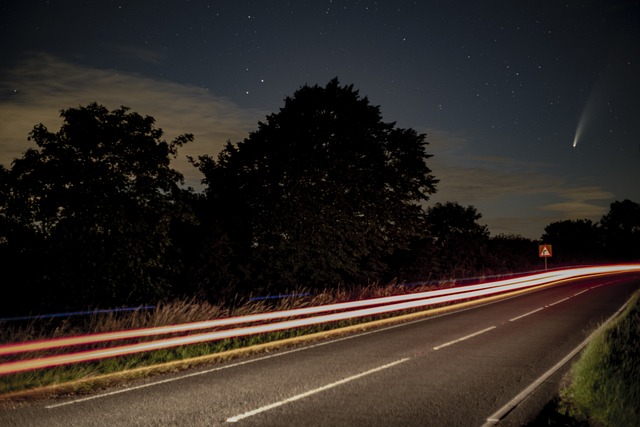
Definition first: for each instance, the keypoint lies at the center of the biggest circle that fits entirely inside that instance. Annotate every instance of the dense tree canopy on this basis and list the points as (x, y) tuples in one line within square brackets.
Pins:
[(573, 240), (620, 229), (508, 253), (96, 201), (616, 237), (459, 241), (323, 191)]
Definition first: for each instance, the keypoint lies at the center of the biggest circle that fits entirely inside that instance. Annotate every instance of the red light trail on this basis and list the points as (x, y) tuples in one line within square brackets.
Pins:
[(337, 312)]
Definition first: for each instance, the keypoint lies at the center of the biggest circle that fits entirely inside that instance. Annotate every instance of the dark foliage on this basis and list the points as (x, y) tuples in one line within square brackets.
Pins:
[(87, 215), (459, 241), (509, 253), (573, 241), (620, 231), (322, 193), (616, 237)]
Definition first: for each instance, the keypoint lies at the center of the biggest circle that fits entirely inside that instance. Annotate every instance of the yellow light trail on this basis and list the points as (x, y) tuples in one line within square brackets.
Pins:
[(477, 291), (259, 317)]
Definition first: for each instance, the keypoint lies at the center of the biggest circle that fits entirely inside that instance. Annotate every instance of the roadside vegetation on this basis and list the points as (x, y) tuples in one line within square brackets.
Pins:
[(91, 375), (323, 196), (605, 382), (603, 387)]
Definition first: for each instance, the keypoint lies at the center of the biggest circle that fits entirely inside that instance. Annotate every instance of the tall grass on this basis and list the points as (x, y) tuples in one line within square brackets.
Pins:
[(605, 382), (165, 313), (176, 312)]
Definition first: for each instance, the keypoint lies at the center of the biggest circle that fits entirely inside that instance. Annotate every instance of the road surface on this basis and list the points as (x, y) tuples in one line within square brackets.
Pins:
[(456, 369)]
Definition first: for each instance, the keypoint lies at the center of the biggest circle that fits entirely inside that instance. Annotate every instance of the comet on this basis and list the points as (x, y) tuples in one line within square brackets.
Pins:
[(578, 134), (582, 123)]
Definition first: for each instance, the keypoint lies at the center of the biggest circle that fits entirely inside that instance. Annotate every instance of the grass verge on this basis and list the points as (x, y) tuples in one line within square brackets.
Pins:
[(89, 376), (603, 386)]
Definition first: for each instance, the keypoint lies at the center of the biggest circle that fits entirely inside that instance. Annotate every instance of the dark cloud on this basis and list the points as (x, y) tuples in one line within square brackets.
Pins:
[(42, 85)]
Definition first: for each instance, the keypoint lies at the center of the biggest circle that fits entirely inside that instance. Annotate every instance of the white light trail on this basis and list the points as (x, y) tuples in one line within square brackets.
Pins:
[(384, 306), (259, 317)]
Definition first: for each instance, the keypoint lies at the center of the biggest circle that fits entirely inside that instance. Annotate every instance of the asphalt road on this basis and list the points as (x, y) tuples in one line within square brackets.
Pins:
[(452, 370)]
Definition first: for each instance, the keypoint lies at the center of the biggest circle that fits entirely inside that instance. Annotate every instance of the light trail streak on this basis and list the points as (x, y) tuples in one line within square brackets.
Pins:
[(259, 317), (468, 292)]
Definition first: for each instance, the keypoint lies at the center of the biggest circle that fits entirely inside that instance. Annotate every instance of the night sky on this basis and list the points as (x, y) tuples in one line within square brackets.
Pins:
[(501, 88)]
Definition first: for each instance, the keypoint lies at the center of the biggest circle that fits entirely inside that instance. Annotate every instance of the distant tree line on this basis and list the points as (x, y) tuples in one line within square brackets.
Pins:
[(615, 238), (323, 194)]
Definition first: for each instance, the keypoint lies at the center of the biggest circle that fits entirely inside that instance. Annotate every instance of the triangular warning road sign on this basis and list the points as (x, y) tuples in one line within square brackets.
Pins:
[(544, 250)]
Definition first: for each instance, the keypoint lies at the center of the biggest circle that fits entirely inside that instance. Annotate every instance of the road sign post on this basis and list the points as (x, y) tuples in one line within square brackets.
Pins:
[(544, 251)]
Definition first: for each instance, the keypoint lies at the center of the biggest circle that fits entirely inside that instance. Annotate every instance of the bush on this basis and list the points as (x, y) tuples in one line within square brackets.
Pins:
[(605, 384)]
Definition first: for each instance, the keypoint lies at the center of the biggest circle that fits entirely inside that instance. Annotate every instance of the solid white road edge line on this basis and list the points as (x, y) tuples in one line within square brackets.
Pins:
[(314, 391), (463, 338), (495, 418)]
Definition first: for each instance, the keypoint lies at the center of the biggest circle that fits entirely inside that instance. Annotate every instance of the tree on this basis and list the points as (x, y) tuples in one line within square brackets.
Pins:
[(620, 229), (459, 241), (100, 197), (574, 241), (322, 192), (512, 253), (21, 255)]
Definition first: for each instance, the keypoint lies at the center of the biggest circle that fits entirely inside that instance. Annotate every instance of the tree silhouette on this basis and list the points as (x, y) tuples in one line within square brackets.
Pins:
[(576, 241), (510, 253), (620, 229), (322, 192), (459, 241), (100, 197)]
